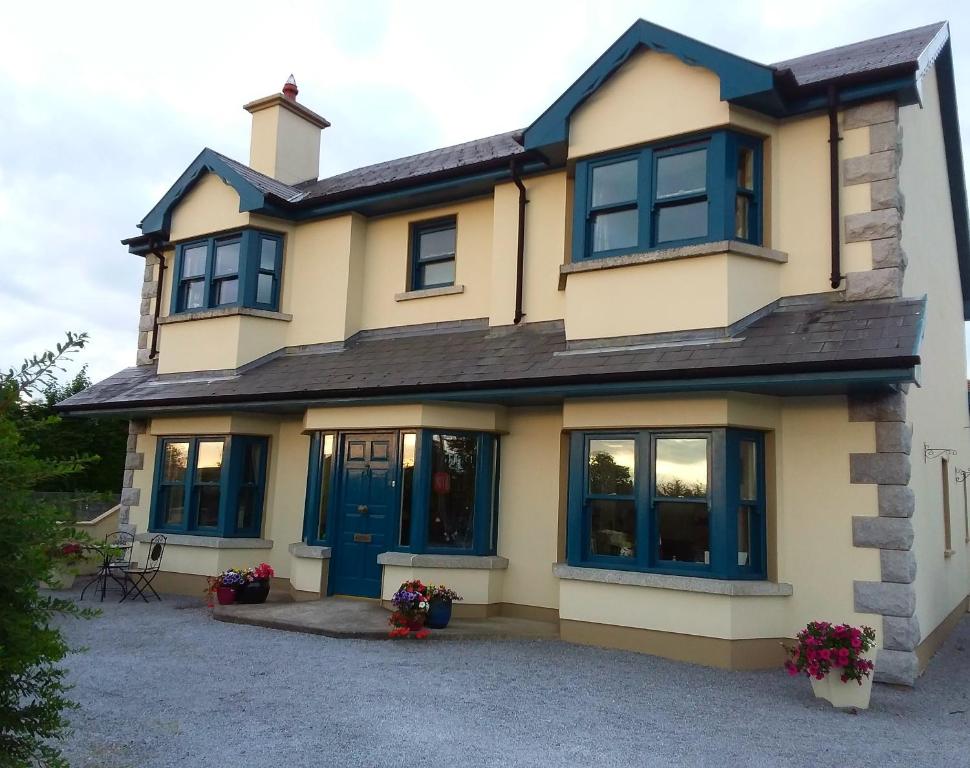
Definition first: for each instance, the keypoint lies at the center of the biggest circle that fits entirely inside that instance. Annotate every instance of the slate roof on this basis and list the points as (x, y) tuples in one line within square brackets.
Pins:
[(867, 57), (858, 59), (794, 335)]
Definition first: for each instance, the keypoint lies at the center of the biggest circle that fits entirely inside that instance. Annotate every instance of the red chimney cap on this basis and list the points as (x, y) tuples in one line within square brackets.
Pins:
[(289, 88)]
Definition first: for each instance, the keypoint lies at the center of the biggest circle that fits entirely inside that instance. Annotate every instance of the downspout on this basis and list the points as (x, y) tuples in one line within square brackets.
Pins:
[(158, 299), (834, 192), (520, 243)]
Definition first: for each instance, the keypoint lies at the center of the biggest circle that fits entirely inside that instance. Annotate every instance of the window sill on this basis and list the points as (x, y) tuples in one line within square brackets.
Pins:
[(211, 542), (425, 293), (671, 254), (205, 314), (299, 549), (679, 583), (469, 562)]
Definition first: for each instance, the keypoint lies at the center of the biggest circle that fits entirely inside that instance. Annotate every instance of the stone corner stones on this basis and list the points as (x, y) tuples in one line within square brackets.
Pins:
[(897, 566), (872, 113), (884, 283), (891, 532), (879, 468), (896, 667), (895, 533), (887, 599), (871, 225), (896, 501)]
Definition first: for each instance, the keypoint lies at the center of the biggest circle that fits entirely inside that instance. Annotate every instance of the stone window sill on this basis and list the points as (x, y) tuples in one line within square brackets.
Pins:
[(672, 254), (470, 562), (210, 542), (205, 314), (679, 583), (425, 293), (299, 549)]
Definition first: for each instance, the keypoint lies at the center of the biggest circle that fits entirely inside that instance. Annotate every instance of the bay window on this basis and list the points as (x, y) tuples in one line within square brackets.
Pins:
[(210, 485), (689, 502), (683, 192), (242, 269)]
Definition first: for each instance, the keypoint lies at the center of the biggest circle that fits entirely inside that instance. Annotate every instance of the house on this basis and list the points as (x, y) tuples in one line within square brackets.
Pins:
[(674, 366)]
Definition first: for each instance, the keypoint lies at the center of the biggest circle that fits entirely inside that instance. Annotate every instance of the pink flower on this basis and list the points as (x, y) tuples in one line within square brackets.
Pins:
[(856, 641), (825, 654)]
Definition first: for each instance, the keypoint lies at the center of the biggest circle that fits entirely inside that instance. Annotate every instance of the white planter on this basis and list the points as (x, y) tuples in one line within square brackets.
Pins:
[(845, 695), (62, 577)]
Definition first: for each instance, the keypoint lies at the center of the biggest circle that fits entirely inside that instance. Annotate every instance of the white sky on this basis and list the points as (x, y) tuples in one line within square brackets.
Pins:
[(104, 105)]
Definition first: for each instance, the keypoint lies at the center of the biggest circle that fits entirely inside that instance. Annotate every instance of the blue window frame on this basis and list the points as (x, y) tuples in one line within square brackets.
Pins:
[(447, 485), (433, 249), (241, 269), (693, 190), (210, 485), (689, 502)]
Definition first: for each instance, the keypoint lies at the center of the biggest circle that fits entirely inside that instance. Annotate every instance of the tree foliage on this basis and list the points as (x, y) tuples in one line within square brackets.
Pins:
[(33, 692), (62, 439)]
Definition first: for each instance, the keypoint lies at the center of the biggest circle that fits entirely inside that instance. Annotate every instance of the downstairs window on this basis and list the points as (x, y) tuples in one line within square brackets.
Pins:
[(690, 503), (210, 486)]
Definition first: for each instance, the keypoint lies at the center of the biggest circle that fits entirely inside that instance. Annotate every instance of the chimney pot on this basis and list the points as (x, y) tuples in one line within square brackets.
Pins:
[(289, 88)]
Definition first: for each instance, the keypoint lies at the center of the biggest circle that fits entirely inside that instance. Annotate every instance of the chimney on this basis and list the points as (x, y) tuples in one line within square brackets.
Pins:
[(285, 141)]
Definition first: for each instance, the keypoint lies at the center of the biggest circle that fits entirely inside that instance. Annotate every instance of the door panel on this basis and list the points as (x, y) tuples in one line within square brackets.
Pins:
[(367, 512)]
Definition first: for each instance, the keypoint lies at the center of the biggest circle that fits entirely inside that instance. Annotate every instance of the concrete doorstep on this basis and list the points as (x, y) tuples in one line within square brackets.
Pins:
[(367, 620)]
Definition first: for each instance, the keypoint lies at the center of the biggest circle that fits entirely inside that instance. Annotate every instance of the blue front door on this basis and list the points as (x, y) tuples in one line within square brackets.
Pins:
[(366, 510)]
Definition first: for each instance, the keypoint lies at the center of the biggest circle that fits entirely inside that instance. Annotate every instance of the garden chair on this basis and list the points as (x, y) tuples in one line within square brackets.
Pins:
[(137, 580)]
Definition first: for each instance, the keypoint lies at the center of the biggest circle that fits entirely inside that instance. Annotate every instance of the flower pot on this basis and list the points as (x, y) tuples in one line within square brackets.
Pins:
[(416, 623), (845, 695), (253, 592), (226, 595), (439, 614)]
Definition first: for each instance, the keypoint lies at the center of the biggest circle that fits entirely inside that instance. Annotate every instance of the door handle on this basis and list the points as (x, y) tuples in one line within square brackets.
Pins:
[(362, 509)]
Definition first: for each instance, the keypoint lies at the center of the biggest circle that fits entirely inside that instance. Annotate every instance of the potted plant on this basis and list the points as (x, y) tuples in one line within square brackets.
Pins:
[(66, 559), (838, 659), (255, 588), (410, 610), (440, 599), (226, 585)]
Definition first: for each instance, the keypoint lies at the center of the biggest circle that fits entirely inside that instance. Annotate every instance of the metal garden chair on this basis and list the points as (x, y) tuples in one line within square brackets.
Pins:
[(116, 558), (137, 580)]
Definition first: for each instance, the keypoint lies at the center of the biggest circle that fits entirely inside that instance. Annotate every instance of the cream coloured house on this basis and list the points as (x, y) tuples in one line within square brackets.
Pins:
[(680, 366)]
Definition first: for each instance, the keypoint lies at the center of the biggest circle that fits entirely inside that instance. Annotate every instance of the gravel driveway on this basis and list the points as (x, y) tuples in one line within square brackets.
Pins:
[(164, 685)]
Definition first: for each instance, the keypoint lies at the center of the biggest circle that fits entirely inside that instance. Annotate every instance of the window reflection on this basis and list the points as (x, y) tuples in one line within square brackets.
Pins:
[(611, 467), (452, 503), (326, 467), (612, 528), (681, 467), (408, 445)]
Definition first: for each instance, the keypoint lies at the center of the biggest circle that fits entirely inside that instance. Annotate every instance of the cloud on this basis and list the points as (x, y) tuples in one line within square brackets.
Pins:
[(105, 105)]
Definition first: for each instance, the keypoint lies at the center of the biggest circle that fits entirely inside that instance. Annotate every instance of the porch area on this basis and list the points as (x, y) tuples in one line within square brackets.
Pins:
[(367, 620)]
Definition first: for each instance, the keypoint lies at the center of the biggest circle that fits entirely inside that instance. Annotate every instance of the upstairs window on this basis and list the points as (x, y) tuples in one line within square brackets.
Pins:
[(210, 485), (699, 190), (237, 270), (433, 254)]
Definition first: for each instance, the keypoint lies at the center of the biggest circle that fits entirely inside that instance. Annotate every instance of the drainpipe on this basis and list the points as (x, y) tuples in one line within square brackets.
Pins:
[(156, 252), (520, 243), (834, 140)]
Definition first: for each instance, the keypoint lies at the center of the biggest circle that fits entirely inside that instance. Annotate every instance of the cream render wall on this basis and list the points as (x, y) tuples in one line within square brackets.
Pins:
[(342, 274), (938, 407)]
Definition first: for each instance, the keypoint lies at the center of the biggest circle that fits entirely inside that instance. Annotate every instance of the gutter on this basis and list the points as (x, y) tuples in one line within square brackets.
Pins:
[(520, 243), (834, 196), (156, 252)]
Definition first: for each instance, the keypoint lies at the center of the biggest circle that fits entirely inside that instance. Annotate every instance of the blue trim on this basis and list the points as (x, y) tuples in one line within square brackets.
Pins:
[(739, 77), (417, 262), (159, 218), (230, 483), (723, 500), (720, 193), (248, 271), (953, 150)]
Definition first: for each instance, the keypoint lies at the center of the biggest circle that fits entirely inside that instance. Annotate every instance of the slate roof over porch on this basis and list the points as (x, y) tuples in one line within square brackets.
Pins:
[(799, 335)]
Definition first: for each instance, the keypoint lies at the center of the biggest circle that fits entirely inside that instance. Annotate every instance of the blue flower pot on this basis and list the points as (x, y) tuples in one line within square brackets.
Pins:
[(439, 614)]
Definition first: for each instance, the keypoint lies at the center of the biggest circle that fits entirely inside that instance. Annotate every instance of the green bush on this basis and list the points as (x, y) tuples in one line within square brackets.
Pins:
[(33, 692)]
